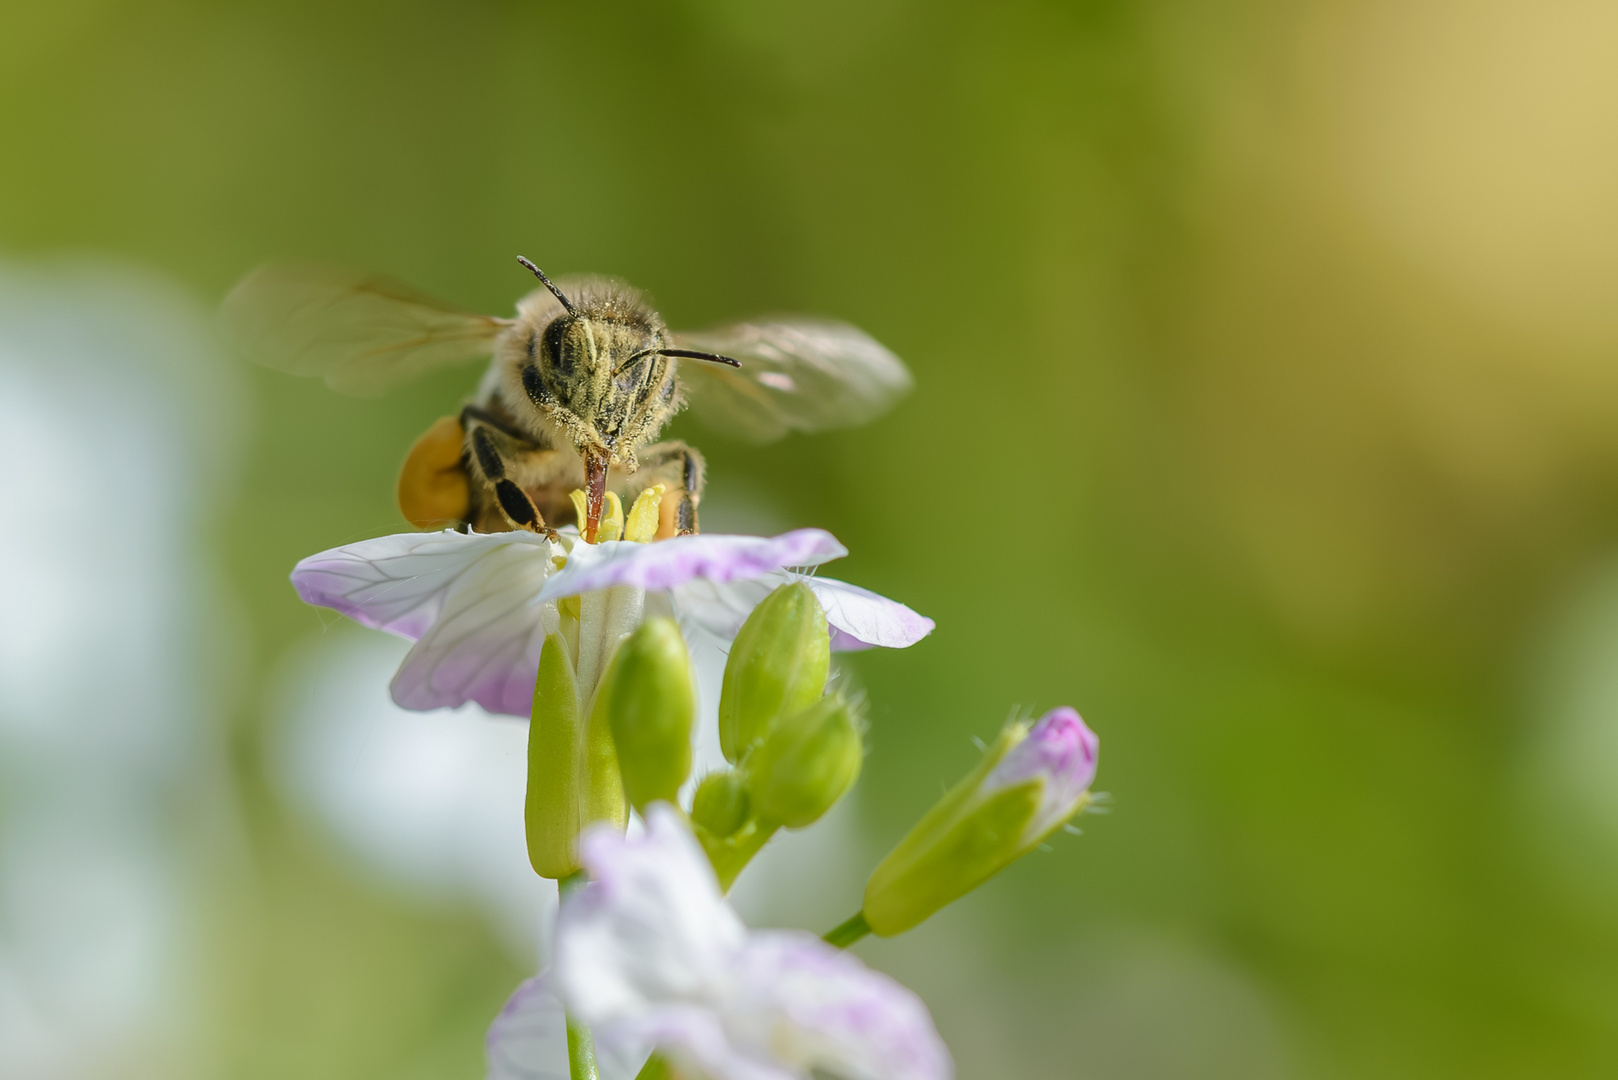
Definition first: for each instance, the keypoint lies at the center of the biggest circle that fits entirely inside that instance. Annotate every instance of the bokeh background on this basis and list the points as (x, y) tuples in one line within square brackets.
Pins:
[(1267, 411)]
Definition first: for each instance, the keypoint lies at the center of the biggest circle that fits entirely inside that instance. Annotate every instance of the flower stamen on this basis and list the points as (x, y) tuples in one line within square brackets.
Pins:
[(581, 509), (612, 519), (641, 525)]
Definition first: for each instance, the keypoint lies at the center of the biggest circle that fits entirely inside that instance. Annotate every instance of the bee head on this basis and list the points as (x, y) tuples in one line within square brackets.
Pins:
[(600, 369), (590, 371), (584, 366)]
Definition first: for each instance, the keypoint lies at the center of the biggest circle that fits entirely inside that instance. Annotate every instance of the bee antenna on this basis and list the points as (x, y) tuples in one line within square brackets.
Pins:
[(540, 274), (689, 354), (694, 354)]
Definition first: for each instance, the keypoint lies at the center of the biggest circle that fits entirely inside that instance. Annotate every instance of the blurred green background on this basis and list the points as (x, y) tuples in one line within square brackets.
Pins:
[(1267, 411)]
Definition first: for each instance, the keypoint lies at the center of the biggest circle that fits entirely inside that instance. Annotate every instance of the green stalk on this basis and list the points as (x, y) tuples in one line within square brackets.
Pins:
[(581, 1045), (848, 933), (581, 1053)]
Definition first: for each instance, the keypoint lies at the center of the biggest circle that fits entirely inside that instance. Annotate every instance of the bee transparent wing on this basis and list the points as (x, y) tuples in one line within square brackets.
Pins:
[(797, 374), (362, 333)]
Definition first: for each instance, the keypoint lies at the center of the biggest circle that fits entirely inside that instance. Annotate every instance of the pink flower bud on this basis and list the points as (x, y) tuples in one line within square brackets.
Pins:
[(1060, 750)]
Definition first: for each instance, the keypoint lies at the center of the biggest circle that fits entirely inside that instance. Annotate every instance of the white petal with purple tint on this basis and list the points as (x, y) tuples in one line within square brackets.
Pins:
[(650, 955), (650, 926), (670, 563), (528, 1040), (721, 609), (470, 600), (399, 583), (861, 619), (484, 645), (816, 1005), (858, 618)]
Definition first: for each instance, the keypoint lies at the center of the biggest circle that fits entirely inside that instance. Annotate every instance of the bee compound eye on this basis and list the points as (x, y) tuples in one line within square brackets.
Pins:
[(558, 349), (534, 386)]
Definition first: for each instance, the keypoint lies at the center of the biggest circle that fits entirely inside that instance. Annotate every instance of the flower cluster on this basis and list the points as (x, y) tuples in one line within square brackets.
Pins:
[(654, 975)]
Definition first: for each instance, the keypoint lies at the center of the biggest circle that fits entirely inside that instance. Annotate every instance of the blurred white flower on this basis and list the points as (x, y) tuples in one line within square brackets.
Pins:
[(117, 424), (652, 958)]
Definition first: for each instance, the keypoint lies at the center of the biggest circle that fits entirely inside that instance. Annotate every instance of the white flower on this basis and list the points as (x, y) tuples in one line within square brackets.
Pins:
[(651, 957), (479, 605)]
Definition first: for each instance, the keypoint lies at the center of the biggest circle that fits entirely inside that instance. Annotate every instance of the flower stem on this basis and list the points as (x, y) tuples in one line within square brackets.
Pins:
[(581, 1045), (849, 932), (581, 1053)]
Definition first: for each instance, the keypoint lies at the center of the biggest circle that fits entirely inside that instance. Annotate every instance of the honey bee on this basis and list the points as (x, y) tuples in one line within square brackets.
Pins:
[(579, 385)]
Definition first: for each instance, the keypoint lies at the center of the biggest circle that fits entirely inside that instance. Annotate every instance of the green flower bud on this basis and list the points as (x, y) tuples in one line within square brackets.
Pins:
[(722, 818), (804, 764), (1029, 783), (777, 664), (721, 805), (572, 768), (646, 699)]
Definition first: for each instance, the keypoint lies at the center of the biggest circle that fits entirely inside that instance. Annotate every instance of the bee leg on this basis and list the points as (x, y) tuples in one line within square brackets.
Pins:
[(681, 468), (514, 502)]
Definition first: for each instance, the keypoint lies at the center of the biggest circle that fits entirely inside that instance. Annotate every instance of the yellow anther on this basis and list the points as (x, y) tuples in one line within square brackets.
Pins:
[(581, 510), (643, 516), (612, 519)]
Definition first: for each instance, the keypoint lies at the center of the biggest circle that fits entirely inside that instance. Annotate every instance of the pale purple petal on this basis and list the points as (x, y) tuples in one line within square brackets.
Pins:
[(399, 583), (650, 955), (792, 1003), (857, 618), (695, 1038), (485, 644), (814, 1005), (469, 598), (651, 925), (861, 619), (721, 609), (528, 1040), (670, 563)]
